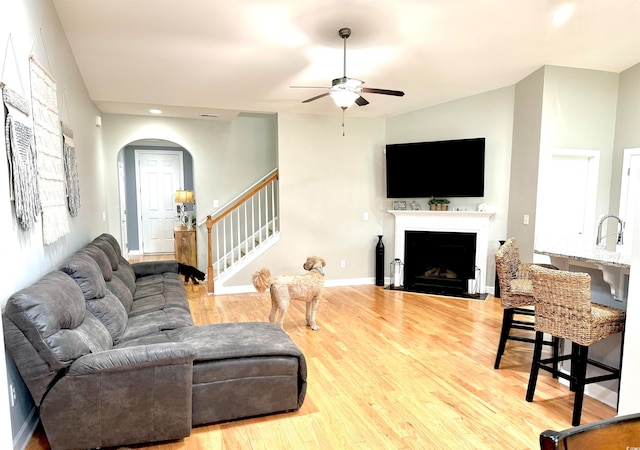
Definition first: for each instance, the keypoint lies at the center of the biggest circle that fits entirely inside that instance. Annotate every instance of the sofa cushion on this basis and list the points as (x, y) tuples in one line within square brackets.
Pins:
[(120, 290), (52, 314), (111, 313), (126, 275), (156, 322), (112, 241), (108, 250), (85, 271), (101, 259)]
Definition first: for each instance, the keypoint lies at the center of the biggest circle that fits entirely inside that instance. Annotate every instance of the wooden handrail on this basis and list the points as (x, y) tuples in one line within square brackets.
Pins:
[(243, 199)]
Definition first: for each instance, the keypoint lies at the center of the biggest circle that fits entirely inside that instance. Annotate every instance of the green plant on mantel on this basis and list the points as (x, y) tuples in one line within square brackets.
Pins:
[(438, 204)]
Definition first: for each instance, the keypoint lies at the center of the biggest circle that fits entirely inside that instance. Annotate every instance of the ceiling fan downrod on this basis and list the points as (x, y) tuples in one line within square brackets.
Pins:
[(344, 33)]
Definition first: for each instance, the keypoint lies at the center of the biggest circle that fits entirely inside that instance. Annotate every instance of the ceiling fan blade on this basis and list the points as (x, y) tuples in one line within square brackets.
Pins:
[(361, 101), (315, 98), (382, 91)]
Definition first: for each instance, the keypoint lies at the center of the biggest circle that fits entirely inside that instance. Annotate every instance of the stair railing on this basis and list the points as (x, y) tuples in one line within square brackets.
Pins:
[(239, 228)]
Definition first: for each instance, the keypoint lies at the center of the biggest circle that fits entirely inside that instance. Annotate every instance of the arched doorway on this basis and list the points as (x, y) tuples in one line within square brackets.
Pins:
[(145, 188)]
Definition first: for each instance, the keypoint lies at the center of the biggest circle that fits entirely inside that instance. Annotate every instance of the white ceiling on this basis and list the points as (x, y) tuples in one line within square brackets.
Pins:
[(192, 56)]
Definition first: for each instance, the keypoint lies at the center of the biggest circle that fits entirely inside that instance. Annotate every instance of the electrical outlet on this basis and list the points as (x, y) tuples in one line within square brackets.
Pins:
[(13, 395), (216, 203), (365, 216), (343, 264)]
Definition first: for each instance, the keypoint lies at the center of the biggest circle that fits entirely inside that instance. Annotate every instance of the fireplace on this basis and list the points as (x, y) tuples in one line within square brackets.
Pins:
[(439, 262), (470, 223)]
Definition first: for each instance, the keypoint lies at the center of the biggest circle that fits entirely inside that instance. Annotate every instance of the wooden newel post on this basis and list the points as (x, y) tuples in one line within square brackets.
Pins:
[(210, 255)]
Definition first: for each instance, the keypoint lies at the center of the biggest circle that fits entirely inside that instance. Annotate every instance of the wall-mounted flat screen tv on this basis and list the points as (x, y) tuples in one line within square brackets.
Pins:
[(453, 168)]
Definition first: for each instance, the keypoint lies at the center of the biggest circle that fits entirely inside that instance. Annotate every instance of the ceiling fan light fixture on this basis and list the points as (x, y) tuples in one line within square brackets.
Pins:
[(344, 98)]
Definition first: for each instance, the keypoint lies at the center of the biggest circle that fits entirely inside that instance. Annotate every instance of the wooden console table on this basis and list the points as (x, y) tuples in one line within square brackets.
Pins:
[(185, 246)]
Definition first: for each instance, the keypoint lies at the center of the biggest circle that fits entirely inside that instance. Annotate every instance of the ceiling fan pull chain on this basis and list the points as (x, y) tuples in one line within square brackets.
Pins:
[(343, 121)]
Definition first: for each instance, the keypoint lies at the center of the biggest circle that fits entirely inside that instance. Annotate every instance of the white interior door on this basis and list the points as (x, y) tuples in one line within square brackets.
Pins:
[(159, 175), (567, 189), (629, 195)]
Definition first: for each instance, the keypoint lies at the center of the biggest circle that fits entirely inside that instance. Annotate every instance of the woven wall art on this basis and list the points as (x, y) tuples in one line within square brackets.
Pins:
[(51, 175), (70, 170), (21, 156)]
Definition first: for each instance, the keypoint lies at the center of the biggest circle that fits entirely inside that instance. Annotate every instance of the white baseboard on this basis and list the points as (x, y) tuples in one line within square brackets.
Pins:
[(247, 288), (24, 434)]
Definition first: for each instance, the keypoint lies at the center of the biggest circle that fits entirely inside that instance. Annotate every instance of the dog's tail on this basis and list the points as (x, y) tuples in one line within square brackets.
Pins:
[(261, 280)]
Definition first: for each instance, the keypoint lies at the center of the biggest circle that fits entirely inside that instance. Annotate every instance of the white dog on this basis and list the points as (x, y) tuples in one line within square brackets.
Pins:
[(283, 288)]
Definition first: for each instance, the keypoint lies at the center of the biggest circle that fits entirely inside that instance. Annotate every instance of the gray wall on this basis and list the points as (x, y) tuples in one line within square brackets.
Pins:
[(627, 127), (327, 181), (228, 157), (34, 27), (488, 115), (628, 136), (559, 107), (579, 112), (525, 153)]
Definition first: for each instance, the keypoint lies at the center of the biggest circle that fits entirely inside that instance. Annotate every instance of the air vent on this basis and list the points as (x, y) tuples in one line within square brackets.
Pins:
[(209, 115)]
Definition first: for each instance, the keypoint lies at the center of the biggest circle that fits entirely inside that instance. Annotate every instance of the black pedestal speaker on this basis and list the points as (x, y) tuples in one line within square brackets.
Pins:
[(380, 262)]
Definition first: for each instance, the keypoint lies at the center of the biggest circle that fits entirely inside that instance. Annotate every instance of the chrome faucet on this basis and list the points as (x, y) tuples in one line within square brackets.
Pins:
[(619, 232)]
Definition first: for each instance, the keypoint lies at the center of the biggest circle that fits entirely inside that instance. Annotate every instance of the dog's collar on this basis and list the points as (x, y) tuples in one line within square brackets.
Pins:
[(319, 270)]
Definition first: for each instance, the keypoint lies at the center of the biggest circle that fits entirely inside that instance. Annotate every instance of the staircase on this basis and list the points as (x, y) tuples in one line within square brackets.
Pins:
[(242, 230)]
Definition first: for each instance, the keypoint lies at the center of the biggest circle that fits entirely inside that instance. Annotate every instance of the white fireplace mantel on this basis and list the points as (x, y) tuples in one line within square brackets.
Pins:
[(451, 221)]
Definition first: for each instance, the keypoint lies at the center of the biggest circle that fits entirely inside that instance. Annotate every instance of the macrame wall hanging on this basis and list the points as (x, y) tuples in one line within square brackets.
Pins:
[(50, 162), (21, 156), (70, 170)]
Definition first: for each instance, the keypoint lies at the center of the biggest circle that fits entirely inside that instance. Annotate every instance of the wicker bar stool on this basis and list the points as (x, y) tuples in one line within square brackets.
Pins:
[(564, 309), (516, 298)]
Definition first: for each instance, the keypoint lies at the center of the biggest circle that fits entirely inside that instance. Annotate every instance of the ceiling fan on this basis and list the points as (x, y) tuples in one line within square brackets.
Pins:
[(346, 91)]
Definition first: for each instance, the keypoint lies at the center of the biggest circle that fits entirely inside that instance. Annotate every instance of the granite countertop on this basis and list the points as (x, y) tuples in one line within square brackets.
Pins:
[(585, 252)]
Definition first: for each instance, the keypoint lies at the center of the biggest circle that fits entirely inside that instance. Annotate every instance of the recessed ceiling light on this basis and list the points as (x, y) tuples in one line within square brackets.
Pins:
[(155, 111), (562, 14)]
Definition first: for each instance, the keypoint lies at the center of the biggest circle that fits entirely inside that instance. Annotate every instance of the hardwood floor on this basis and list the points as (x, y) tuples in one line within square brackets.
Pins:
[(392, 369)]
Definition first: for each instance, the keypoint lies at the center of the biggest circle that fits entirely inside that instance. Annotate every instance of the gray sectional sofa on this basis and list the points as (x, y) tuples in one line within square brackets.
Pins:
[(109, 352)]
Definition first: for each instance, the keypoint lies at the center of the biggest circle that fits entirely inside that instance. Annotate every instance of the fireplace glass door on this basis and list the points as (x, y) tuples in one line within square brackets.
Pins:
[(438, 262)]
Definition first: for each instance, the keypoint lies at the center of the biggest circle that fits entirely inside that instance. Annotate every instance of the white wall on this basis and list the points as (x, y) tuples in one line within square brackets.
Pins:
[(33, 24), (488, 115)]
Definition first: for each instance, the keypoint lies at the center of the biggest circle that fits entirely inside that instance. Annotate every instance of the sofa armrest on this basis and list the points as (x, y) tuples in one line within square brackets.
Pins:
[(130, 358), (143, 269), (122, 396)]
